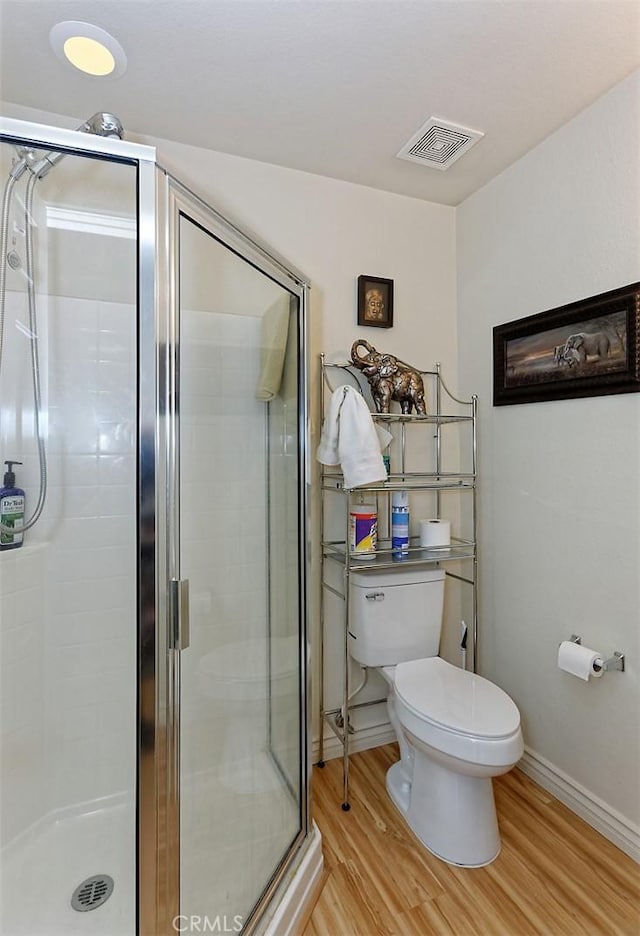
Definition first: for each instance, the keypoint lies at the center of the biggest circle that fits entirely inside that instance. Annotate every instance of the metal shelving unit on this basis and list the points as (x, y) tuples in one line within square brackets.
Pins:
[(437, 481)]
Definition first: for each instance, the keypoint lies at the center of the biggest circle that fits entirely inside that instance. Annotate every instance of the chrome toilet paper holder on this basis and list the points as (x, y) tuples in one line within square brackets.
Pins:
[(612, 663)]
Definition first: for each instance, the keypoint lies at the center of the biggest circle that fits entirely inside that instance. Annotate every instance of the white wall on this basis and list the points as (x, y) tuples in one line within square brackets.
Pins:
[(560, 481)]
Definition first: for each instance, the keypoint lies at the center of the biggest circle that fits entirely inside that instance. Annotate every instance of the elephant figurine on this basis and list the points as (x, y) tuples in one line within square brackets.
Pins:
[(390, 379)]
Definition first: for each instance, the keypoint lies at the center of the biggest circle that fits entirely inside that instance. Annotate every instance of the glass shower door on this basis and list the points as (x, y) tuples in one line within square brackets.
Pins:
[(68, 594), (241, 764)]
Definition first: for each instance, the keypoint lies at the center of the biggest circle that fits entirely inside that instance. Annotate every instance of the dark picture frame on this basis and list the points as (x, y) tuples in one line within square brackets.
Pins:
[(375, 301), (585, 348)]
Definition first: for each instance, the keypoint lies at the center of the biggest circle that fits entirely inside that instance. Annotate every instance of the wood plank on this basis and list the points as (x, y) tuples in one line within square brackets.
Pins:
[(555, 875)]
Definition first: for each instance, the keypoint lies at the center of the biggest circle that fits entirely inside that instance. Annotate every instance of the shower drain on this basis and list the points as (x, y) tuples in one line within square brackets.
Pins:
[(92, 893)]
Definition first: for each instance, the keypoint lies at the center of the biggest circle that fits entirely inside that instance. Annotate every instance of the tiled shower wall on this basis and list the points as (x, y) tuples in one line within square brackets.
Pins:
[(68, 614), (223, 507)]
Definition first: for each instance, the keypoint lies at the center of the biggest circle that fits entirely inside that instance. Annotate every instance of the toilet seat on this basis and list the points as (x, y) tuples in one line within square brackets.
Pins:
[(457, 712)]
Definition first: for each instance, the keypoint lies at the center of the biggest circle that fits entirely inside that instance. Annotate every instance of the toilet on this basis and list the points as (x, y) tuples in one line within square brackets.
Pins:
[(456, 730)]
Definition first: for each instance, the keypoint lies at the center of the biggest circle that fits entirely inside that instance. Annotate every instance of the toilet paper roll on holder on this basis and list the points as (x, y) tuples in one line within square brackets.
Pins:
[(612, 663)]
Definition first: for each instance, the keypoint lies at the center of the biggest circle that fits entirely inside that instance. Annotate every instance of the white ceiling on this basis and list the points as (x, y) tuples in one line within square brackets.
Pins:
[(334, 87)]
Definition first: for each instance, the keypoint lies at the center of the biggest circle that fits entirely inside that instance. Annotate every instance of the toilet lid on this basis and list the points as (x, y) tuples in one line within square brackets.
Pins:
[(455, 699)]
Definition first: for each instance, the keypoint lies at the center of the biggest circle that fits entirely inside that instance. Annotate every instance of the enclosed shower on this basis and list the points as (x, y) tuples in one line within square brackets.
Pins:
[(153, 676)]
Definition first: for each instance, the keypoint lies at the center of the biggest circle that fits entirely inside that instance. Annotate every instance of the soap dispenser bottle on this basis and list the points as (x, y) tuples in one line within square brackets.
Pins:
[(11, 509)]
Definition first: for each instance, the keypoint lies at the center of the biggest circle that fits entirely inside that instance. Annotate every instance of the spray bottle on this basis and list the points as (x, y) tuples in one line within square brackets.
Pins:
[(400, 525)]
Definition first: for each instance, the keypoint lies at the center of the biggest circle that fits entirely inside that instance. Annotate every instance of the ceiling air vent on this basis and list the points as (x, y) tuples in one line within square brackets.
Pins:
[(439, 143)]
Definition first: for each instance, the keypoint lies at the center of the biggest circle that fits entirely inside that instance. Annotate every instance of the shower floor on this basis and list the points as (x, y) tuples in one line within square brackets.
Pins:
[(42, 873), (232, 843)]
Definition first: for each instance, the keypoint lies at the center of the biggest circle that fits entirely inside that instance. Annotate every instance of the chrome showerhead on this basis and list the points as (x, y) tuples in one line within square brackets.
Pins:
[(102, 124), (105, 125)]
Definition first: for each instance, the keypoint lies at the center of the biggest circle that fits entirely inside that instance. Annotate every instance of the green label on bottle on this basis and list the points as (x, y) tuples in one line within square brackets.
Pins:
[(11, 515)]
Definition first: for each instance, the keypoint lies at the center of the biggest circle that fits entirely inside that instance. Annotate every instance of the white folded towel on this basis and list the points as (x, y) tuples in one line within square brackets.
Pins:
[(350, 439)]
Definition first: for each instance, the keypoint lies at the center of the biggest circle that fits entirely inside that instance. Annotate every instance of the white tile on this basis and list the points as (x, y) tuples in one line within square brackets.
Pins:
[(81, 438), (73, 313), (71, 565), (84, 374), (77, 724), (112, 375), (106, 594), (118, 403), (23, 642), (85, 532), (82, 501), (82, 627), (76, 690), (117, 347), (116, 437), (8, 571), (83, 345), (117, 469), (79, 753), (29, 605), (118, 317), (79, 469), (111, 716), (94, 659)]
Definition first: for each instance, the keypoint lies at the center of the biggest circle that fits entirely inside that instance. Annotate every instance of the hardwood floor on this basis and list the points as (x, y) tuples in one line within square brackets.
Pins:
[(555, 875)]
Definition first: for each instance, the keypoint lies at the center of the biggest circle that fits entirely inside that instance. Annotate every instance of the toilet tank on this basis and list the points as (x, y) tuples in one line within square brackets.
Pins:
[(395, 616)]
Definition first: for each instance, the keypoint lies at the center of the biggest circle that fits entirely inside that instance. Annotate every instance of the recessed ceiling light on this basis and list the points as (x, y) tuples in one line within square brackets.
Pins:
[(88, 48)]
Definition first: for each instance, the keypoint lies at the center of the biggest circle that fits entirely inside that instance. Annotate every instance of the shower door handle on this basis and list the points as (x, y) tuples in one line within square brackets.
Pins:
[(179, 613)]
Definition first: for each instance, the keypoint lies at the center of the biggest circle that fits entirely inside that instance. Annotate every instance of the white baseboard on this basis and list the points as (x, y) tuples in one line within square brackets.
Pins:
[(361, 740), (598, 814)]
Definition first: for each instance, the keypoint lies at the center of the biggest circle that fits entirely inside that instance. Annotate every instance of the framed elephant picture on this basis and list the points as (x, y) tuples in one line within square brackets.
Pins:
[(375, 301), (585, 348)]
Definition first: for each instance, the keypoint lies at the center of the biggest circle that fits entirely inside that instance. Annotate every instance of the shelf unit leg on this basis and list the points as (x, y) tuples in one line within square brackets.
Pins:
[(320, 762), (345, 705)]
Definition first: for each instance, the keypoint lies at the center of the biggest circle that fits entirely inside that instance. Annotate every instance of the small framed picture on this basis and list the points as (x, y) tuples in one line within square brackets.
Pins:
[(375, 301)]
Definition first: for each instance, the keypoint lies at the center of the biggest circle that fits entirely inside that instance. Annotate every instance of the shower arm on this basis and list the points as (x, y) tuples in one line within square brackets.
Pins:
[(101, 124)]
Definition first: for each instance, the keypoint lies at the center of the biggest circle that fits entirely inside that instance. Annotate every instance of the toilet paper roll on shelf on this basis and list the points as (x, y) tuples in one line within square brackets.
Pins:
[(435, 533)]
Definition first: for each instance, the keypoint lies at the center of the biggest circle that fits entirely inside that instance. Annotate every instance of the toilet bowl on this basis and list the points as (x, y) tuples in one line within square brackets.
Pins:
[(248, 677), (459, 730), (455, 729)]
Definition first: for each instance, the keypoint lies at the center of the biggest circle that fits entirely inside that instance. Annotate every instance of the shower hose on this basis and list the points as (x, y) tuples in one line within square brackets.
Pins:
[(33, 328)]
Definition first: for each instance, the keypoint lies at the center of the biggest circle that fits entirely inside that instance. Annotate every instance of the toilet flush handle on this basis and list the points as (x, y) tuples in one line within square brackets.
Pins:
[(375, 596)]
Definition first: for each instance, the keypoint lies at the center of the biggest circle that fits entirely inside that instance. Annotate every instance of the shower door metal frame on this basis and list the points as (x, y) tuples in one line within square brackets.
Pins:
[(176, 201), (160, 199), (153, 910)]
